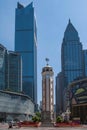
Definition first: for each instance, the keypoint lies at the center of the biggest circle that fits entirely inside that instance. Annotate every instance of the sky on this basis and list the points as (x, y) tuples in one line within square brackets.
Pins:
[(52, 17)]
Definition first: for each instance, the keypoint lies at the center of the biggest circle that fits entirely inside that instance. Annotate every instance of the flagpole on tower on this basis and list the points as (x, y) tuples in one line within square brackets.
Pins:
[(47, 60)]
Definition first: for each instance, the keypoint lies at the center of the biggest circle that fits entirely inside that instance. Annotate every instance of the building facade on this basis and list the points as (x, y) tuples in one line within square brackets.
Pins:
[(10, 70), (26, 45), (47, 93), (78, 99), (71, 54), (14, 72), (3, 53), (85, 62), (15, 106), (71, 58), (59, 92)]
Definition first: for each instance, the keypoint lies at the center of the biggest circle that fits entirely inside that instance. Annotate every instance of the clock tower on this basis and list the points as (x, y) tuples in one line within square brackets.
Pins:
[(47, 93)]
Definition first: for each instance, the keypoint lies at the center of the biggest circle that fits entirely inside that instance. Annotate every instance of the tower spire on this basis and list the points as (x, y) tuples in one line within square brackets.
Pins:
[(69, 20)]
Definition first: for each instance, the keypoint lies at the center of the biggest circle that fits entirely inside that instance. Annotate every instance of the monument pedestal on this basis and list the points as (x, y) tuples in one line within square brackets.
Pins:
[(46, 119)]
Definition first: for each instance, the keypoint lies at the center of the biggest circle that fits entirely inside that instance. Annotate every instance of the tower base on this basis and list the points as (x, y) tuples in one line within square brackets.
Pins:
[(46, 119)]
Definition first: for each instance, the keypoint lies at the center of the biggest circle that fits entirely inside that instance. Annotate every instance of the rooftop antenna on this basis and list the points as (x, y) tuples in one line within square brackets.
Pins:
[(47, 60)]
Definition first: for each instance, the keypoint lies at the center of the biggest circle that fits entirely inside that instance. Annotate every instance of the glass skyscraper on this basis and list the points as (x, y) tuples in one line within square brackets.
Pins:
[(73, 67), (26, 45), (10, 70), (72, 60), (14, 72), (71, 55)]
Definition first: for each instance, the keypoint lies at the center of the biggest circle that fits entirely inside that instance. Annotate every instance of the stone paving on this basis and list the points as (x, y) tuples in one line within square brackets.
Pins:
[(57, 128), (47, 128), (5, 127)]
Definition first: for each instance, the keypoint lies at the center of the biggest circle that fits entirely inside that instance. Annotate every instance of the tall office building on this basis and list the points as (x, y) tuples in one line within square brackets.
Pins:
[(14, 72), (26, 45), (71, 60), (71, 55)]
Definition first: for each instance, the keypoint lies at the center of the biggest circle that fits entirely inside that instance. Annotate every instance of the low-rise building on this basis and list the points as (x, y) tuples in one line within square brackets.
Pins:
[(15, 106), (78, 99)]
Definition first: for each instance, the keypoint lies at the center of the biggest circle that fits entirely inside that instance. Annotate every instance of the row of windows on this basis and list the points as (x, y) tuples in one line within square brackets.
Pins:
[(72, 57), (72, 75), (13, 96)]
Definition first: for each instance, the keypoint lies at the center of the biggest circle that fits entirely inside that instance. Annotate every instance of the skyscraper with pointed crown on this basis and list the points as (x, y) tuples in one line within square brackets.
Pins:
[(72, 59), (71, 54)]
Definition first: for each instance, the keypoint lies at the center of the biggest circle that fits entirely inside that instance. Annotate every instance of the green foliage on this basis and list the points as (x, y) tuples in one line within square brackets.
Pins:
[(59, 119), (37, 117), (79, 91), (38, 114)]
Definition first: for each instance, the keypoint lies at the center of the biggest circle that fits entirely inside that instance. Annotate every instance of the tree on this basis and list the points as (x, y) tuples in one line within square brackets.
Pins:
[(38, 114), (59, 119), (37, 117)]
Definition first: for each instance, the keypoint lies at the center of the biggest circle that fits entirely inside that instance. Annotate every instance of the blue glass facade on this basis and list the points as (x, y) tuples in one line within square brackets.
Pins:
[(59, 93), (26, 45), (85, 62), (10, 70), (72, 60), (14, 72)]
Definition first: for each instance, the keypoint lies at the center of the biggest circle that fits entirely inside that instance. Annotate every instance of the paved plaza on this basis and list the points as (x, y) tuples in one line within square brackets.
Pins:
[(48, 128), (5, 127)]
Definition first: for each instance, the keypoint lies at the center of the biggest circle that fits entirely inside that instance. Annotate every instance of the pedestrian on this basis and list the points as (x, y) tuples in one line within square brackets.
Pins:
[(10, 125)]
